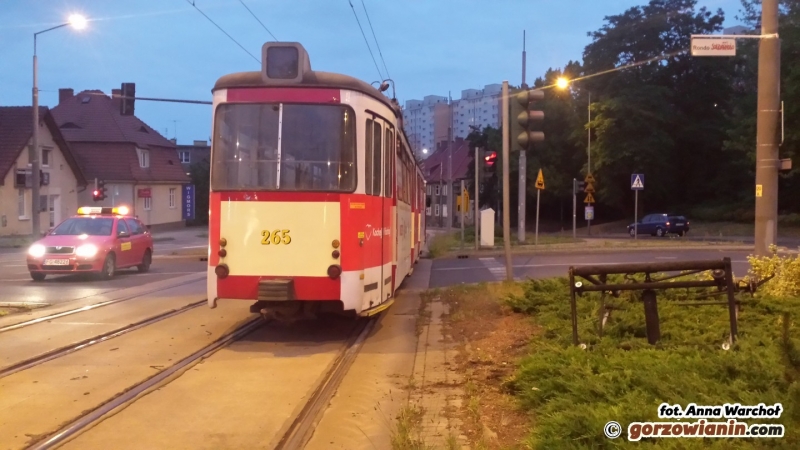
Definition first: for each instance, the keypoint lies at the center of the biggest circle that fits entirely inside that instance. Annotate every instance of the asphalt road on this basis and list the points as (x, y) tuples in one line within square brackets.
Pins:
[(17, 285), (449, 272)]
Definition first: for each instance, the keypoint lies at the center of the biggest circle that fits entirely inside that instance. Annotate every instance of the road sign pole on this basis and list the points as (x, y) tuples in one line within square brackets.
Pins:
[(574, 208), (538, 192), (636, 215), (477, 199), (463, 207)]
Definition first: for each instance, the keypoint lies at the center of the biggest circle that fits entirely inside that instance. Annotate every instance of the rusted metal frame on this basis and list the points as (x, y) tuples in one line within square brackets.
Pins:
[(573, 306), (644, 286), (672, 266), (732, 306), (682, 274)]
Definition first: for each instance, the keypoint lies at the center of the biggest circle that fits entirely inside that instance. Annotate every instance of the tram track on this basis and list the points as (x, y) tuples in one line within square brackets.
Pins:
[(49, 317), (74, 347), (299, 428), (129, 396)]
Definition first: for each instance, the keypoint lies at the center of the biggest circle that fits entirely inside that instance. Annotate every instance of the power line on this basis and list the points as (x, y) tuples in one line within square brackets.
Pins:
[(191, 2), (365, 39), (259, 21), (376, 39)]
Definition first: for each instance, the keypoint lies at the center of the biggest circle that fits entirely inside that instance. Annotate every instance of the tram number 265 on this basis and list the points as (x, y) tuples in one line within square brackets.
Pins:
[(276, 237)]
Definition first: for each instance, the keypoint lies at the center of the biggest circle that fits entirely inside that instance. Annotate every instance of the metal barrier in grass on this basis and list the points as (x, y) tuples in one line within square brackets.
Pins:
[(657, 277)]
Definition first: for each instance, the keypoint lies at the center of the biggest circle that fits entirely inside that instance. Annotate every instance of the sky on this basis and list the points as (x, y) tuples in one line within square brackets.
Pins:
[(170, 50)]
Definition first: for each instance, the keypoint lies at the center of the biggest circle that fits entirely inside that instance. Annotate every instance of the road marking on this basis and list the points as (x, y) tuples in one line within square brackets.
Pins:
[(495, 268)]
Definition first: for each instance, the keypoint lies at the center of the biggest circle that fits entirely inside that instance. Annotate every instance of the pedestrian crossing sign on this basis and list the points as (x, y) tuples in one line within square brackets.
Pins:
[(637, 181)]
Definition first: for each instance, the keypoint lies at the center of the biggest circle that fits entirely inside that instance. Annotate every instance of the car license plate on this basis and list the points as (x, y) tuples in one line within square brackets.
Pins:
[(56, 262), (680, 224)]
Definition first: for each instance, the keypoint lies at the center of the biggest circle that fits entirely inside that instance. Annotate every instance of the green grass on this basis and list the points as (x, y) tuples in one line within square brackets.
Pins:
[(573, 393), (405, 435)]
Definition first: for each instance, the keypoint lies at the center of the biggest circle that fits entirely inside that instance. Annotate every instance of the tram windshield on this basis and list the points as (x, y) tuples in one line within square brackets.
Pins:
[(284, 147)]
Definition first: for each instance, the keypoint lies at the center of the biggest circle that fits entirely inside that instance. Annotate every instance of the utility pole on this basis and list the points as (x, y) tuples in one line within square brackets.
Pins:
[(523, 168), (767, 162), (574, 207), (477, 199), (450, 163), (506, 200), (589, 153), (463, 207)]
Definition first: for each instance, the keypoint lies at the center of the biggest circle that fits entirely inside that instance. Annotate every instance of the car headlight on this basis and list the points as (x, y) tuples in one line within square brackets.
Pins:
[(86, 250), (36, 250)]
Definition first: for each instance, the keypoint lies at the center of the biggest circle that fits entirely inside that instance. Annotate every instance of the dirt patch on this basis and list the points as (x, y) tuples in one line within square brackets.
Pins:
[(491, 340)]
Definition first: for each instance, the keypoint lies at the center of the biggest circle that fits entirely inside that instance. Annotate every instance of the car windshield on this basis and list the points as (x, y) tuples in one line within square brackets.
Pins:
[(92, 226)]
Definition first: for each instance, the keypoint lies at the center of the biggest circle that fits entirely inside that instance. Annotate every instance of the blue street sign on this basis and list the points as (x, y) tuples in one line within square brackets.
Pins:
[(589, 213), (637, 181), (188, 201)]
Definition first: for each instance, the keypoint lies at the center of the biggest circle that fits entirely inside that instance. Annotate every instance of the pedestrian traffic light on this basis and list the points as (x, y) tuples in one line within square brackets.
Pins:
[(522, 119), (99, 192), (128, 95)]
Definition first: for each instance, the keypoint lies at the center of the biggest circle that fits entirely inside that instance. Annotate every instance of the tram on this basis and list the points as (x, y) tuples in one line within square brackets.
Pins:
[(317, 203)]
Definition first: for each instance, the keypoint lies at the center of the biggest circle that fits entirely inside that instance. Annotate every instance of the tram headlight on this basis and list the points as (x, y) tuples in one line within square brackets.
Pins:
[(335, 243), (223, 242), (334, 271), (222, 271)]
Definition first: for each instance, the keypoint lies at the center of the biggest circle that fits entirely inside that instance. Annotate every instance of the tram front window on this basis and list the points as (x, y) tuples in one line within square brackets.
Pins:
[(284, 147)]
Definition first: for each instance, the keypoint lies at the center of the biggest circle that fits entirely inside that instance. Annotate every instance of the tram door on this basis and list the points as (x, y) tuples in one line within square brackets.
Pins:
[(374, 290)]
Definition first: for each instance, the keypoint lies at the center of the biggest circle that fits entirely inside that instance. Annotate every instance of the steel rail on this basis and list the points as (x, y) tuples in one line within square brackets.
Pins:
[(71, 348)]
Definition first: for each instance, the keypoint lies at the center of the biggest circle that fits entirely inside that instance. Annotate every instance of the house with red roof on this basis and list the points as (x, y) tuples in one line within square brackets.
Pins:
[(62, 181), (139, 166), (442, 195)]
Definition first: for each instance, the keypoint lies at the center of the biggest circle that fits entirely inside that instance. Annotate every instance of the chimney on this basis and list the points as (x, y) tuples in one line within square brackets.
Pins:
[(201, 143), (174, 141), (64, 95), (116, 101)]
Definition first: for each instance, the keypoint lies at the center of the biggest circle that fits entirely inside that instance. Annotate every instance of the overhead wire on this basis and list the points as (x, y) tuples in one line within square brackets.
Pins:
[(366, 40), (191, 2), (259, 21), (376, 39)]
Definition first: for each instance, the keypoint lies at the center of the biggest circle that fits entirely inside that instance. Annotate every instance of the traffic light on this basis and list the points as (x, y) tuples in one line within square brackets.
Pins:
[(128, 95), (490, 158), (522, 119), (577, 186), (99, 192)]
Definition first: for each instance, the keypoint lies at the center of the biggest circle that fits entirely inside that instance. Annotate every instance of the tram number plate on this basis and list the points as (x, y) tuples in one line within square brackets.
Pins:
[(56, 262), (276, 237)]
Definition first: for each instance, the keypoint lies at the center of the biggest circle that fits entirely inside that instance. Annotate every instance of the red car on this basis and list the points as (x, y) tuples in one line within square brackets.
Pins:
[(96, 240)]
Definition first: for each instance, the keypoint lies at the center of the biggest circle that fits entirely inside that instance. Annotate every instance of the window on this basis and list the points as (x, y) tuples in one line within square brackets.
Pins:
[(51, 207), (387, 149), (148, 203), (92, 226), (438, 189), (46, 157), (444, 190), (436, 210), (134, 226), (122, 228), (185, 156), (428, 211), (21, 210), (23, 178), (271, 147), (144, 158), (172, 198)]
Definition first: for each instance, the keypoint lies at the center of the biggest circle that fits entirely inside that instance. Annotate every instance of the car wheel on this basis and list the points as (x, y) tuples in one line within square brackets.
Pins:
[(659, 232), (632, 232), (682, 233), (38, 276), (109, 267), (146, 261)]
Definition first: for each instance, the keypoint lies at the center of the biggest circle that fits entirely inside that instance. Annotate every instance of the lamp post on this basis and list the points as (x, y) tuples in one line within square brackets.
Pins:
[(563, 83), (78, 22)]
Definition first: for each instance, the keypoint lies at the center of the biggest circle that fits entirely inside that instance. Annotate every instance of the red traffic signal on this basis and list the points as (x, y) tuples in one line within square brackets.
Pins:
[(490, 158)]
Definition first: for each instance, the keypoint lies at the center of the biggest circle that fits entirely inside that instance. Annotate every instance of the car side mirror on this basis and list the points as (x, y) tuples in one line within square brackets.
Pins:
[(49, 232)]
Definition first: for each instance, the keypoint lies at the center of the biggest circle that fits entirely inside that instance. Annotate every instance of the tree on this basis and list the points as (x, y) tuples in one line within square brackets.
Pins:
[(199, 174)]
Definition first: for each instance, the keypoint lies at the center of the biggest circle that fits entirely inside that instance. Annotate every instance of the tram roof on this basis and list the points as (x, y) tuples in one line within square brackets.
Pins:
[(311, 79)]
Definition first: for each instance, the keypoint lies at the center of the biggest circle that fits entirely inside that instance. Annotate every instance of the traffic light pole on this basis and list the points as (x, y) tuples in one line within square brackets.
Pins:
[(574, 208), (767, 162), (506, 200), (523, 165), (463, 207)]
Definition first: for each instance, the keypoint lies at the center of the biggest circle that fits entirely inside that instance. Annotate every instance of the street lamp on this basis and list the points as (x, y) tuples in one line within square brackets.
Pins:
[(563, 83), (425, 151), (78, 22)]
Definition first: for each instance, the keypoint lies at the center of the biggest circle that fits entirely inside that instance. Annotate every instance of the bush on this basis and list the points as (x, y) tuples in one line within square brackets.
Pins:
[(573, 393), (786, 272)]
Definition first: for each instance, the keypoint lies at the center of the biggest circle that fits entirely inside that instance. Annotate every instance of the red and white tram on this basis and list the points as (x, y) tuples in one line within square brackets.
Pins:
[(317, 202)]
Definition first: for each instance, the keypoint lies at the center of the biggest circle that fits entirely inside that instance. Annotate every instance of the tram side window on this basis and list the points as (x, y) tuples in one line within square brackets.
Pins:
[(377, 152), (368, 157), (387, 182)]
